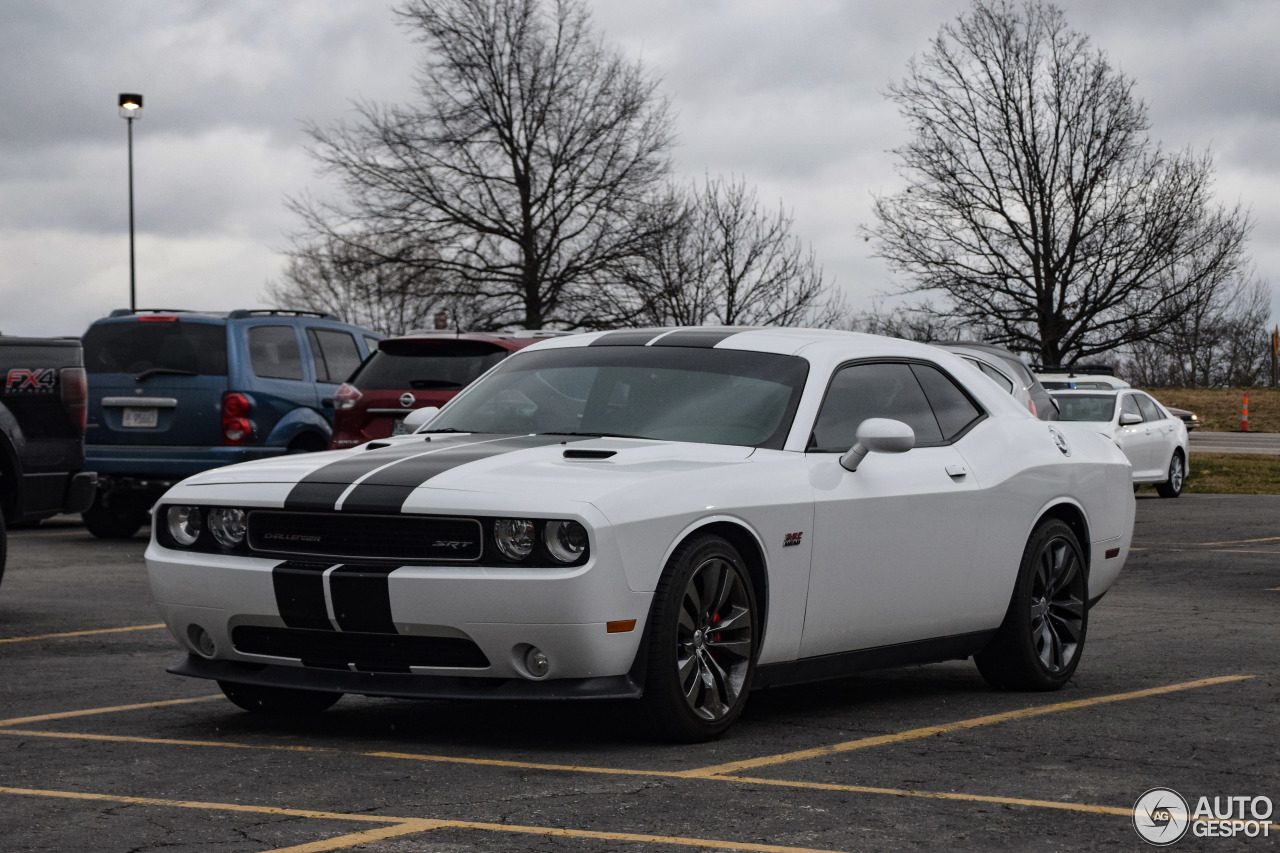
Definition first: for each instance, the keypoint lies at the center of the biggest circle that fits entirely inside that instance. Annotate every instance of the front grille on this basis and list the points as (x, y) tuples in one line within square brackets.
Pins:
[(367, 652), (399, 538)]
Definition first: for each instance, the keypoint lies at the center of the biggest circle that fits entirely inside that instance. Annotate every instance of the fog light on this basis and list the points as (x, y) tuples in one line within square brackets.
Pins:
[(227, 526), (537, 662), (184, 524), (201, 641), (566, 540), (514, 537)]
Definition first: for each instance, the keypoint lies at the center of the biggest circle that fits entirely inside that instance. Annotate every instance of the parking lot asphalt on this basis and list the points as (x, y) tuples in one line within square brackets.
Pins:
[(101, 750)]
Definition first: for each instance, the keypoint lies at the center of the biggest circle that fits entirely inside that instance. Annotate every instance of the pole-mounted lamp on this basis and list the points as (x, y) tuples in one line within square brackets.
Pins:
[(130, 109)]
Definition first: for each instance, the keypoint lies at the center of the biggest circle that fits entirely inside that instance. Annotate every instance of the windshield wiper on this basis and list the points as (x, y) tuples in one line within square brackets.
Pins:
[(170, 371)]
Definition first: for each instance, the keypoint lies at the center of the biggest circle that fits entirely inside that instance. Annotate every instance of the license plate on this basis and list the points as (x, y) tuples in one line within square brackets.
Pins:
[(141, 418), (399, 428)]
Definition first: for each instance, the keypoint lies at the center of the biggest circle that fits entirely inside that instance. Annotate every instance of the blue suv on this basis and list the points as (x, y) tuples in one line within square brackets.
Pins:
[(172, 393)]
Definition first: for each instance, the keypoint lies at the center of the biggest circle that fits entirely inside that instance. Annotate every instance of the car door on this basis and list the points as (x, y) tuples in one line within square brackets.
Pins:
[(1164, 432), (893, 556), (1137, 440)]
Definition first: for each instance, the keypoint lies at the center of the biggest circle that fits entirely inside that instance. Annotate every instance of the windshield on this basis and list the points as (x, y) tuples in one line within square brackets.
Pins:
[(711, 396), (423, 365), (164, 346), (1085, 407)]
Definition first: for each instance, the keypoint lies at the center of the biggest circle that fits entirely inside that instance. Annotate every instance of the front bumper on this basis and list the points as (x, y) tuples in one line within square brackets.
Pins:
[(396, 685), (503, 611)]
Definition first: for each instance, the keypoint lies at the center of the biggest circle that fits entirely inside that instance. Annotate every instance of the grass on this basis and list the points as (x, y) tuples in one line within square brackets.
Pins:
[(1226, 474), (1219, 408)]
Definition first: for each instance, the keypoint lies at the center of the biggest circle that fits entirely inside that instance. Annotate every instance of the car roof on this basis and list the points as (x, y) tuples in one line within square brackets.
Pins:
[(1086, 392), (783, 341)]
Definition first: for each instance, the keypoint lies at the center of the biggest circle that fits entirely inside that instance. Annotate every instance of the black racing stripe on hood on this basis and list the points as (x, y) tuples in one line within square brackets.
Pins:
[(299, 588), (627, 338), (362, 598), (387, 490), (321, 489), (705, 338)]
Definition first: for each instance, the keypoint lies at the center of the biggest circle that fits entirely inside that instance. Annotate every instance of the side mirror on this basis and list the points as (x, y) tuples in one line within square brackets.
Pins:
[(878, 435), (1129, 419), (418, 417)]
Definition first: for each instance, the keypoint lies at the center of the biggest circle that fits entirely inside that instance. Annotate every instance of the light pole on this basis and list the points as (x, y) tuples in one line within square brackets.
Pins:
[(130, 109)]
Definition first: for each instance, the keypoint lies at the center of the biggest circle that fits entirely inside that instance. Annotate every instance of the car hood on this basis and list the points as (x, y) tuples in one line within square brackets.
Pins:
[(381, 475)]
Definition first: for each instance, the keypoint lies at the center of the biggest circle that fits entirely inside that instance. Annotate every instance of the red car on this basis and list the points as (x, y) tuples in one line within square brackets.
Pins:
[(412, 371)]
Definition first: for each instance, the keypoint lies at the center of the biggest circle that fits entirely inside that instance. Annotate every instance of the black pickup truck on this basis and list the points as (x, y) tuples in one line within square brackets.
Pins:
[(43, 402)]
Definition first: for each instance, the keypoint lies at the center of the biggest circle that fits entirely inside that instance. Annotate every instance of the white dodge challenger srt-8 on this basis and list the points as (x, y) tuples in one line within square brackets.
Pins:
[(671, 515)]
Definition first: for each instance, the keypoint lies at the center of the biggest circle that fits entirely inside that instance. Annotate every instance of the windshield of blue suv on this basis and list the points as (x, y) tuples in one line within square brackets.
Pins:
[(1085, 407), (711, 396), (135, 346)]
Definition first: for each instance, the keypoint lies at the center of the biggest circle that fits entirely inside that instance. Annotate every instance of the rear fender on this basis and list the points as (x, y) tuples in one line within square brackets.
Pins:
[(295, 423)]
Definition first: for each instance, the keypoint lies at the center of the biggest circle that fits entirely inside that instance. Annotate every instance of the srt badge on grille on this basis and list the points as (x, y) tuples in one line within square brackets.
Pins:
[(452, 544)]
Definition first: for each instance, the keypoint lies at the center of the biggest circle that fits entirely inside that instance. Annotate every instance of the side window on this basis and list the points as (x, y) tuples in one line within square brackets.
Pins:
[(1129, 406), (951, 406), (864, 391), (334, 354), (274, 353), (1000, 379), (1150, 411)]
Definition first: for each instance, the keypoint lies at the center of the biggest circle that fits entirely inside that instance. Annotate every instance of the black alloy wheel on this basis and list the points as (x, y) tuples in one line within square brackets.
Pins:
[(1038, 646), (702, 646)]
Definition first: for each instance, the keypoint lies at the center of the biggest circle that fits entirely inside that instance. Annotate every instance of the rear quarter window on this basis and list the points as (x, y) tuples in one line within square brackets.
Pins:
[(425, 365), (274, 352)]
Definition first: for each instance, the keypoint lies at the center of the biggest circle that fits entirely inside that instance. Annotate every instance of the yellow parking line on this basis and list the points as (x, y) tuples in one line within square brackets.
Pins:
[(80, 633), (342, 842), (523, 765), (1240, 541), (946, 795), (930, 731), (408, 825), (87, 712), (164, 741)]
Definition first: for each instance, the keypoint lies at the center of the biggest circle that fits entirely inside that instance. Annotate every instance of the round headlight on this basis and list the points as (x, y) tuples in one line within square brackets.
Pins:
[(227, 525), (566, 540), (514, 537), (184, 524)]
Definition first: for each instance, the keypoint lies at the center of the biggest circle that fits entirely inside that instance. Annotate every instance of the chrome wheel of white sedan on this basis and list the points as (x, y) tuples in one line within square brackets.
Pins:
[(703, 646), (1172, 487)]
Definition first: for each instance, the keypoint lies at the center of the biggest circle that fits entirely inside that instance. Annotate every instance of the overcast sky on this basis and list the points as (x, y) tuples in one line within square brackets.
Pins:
[(786, 93)]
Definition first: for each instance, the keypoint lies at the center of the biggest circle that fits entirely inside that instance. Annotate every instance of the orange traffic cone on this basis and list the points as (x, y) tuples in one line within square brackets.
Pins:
[(1244, 415)]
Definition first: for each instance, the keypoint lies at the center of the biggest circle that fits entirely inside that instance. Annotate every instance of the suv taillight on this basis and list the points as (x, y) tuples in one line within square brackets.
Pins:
[(75, 395), (236, 426), (347, 396)]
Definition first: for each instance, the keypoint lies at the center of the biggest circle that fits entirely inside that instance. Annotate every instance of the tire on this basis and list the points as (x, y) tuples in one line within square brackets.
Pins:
[(1038, 646), (119, 521), (4, 546), (277, 700), (703, 639), (1172, 487)]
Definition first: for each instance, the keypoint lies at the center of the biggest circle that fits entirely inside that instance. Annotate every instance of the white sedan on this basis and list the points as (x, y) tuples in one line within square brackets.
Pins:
[(674, 516), (1153, 439)]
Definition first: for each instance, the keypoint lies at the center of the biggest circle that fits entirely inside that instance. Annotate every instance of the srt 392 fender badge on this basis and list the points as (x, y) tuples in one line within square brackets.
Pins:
[(792, 539)]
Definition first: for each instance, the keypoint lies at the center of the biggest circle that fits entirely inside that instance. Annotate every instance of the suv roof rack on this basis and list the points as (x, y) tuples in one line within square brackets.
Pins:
[(241, 313), (126, 312)]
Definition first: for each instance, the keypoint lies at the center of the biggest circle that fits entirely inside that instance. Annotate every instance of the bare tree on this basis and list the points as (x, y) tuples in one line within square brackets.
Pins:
[(528, 160), (1035, 200), (719, 258)]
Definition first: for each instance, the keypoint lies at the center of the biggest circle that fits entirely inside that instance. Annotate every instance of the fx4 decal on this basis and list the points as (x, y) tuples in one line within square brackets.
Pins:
[(39, 381), (792, 539)]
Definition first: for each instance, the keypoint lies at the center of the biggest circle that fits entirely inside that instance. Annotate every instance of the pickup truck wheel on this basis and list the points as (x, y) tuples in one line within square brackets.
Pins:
[(113, 522)]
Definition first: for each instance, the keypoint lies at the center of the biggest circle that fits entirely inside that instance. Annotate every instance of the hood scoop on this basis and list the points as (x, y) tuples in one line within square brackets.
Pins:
[(578, 453)]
